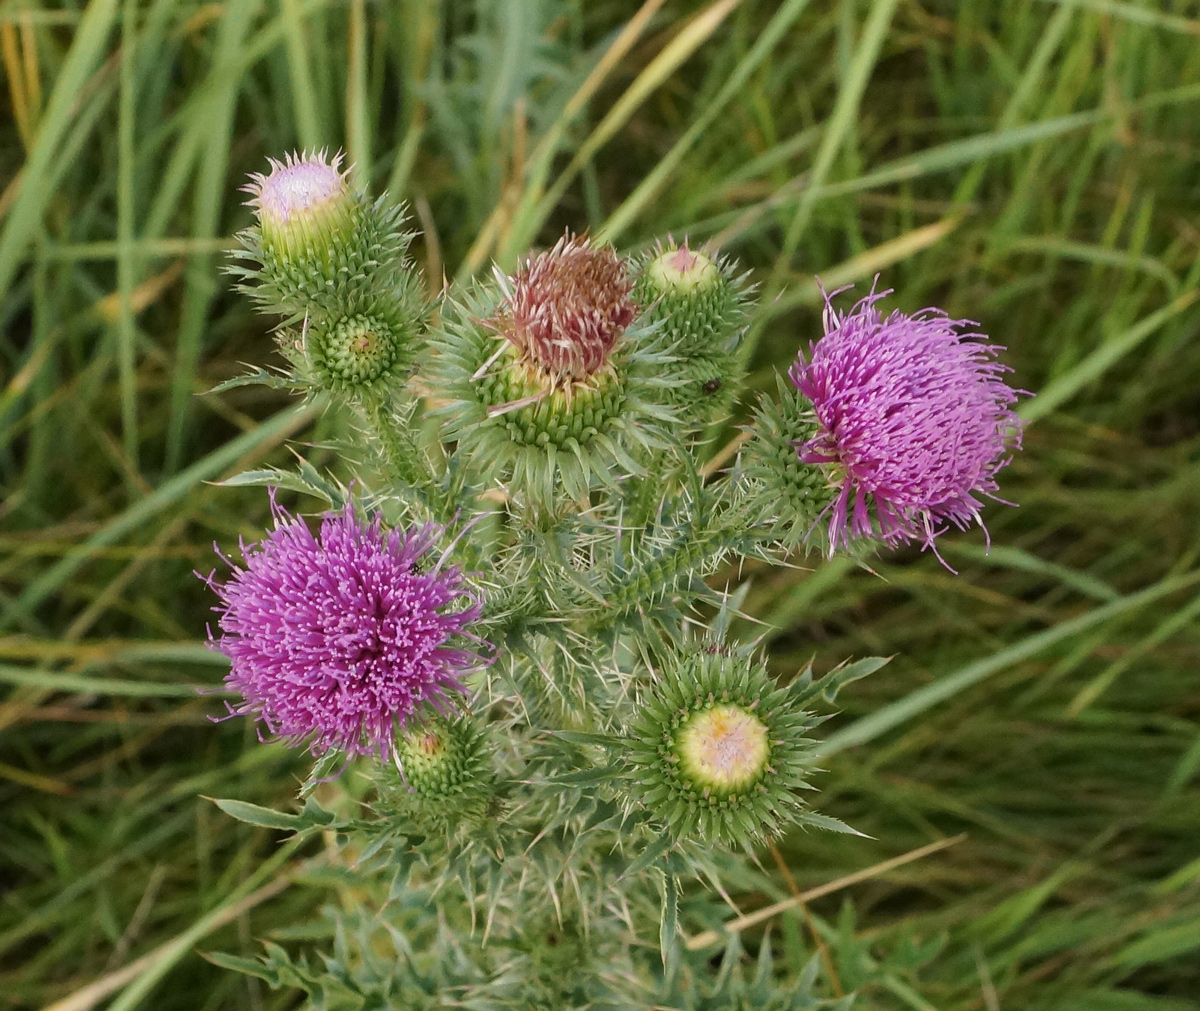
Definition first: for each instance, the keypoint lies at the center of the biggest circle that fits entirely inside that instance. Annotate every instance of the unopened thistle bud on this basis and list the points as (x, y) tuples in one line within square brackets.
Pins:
[(443, 774), (697, 307), (541, 379), (325, 256), (354, 352), (307, 234), (718, 750), (303, 204)]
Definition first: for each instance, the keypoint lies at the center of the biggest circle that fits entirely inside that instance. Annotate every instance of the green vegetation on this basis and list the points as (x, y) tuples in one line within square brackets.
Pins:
[(1028, 164)]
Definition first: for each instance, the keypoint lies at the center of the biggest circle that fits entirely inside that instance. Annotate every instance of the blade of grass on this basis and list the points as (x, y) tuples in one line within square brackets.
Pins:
[(845, 111), (33, 196), (170, 953), (89, 996), (269, 433), (304, 95), (703, 940), (81, 684), (1063, 388), (867, 264), (1016, 558), (1171, 625), (1089, 253), (770, 37), (698, 31), (126, 265), (208, 199), (542, 159), (1136, 14), (902, 710), (358, 124)]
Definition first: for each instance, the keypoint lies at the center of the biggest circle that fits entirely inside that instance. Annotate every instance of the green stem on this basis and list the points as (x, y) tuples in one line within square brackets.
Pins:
[(404, 459), (665, 571)]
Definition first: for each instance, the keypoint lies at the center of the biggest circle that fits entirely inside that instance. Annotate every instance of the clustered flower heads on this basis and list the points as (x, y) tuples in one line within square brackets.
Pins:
[(338, 639), (335, 265), (913, 422)]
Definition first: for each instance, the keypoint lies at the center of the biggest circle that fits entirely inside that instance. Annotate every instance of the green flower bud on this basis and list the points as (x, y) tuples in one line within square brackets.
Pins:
[(683, 272), (699, 303), (321, 248), (304, 205), (443, 774), (697, 306), (718, 750), (354, 352)]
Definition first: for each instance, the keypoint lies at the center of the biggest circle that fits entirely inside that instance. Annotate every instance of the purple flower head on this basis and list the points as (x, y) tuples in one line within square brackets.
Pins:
[(337, 639), (913, 421)]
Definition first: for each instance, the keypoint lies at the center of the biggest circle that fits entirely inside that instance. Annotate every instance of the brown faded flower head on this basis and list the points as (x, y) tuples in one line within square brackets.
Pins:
[(566, 309)]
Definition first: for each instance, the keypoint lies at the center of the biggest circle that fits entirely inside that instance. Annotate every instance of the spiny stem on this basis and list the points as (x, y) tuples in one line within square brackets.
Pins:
[(403, 457)]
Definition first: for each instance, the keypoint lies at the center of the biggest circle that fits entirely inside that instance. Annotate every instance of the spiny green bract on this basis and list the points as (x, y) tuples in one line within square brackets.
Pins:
[(443, 774), (537, 438), (717, 749), (354, 352), (785, 496)]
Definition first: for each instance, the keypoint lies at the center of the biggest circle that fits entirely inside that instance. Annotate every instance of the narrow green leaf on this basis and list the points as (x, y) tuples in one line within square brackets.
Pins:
[(84, 685), (648, 856), (264, 817), (34, 195), (668, 925)]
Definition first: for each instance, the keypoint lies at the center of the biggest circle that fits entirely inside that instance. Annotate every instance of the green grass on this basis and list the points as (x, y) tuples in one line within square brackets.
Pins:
[(1028, 164)]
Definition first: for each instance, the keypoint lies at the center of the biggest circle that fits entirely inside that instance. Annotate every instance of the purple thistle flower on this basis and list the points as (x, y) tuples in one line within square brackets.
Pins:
[(339, 638), (913, 420)]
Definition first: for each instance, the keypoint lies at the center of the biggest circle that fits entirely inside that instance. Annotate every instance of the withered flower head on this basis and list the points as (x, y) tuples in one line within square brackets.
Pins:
[(566, 308)]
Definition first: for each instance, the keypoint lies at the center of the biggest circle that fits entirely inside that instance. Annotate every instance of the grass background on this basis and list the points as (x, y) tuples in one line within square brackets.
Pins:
[(1032, 165)]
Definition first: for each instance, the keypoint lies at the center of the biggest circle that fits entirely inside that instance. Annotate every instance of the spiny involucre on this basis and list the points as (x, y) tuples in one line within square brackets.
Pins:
[(338, 638), (717, 750), (547, 382), (913, 421)]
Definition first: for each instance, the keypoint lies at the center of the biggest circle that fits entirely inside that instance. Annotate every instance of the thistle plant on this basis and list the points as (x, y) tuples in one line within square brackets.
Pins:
[(507, 624)]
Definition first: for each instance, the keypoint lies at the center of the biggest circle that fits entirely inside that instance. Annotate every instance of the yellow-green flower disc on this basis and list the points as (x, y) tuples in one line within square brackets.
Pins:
[(723, 749)]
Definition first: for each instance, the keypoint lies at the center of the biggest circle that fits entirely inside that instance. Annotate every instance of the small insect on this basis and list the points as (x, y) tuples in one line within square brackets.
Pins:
[(711, 386)]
